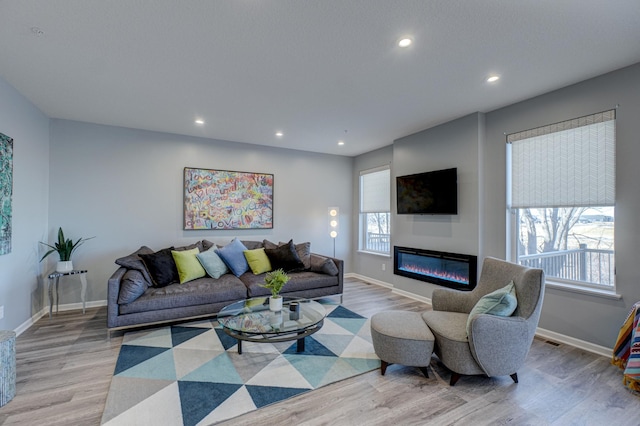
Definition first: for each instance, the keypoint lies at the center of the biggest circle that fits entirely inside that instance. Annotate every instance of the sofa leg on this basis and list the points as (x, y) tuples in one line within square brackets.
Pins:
[(383, 366), (424, 371), (454, 378), (514, 376)]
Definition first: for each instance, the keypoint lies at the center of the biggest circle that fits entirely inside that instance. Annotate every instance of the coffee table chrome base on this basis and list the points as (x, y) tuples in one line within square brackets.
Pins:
[(240, 337)]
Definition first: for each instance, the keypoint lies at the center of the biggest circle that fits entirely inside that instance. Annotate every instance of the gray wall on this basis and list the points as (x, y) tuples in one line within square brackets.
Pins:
[(125, 187), (585, 317), (369, 264), (476, 145), (21, 288)]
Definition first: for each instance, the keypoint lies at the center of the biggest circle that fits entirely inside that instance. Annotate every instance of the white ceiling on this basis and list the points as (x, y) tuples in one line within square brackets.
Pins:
[(318, 70)]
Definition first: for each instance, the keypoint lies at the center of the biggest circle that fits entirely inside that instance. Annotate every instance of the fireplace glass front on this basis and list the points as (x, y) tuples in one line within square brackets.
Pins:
[(446, 269)]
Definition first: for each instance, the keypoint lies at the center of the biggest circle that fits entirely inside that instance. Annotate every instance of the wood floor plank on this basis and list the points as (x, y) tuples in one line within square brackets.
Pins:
[(65, 365)]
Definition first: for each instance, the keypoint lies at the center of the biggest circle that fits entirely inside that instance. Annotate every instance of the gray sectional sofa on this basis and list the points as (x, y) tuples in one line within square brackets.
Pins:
[(133, 300)]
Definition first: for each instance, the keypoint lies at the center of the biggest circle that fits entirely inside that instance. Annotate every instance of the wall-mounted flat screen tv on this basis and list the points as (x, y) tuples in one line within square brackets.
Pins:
[(428, 193)]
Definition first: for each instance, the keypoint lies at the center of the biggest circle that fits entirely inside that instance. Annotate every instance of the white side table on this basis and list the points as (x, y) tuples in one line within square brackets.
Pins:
[(54, 277)]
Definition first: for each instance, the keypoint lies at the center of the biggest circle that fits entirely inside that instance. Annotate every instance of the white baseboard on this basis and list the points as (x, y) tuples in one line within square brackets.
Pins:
[(572, 341), (45, 312), (540, 332)]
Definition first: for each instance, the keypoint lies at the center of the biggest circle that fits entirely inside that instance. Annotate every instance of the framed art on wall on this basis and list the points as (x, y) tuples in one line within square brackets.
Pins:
[(6, 192), (223, 199)]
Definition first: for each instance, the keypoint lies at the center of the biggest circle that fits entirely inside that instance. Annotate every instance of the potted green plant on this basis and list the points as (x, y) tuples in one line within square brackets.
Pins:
[(274, 281), (65, 248)]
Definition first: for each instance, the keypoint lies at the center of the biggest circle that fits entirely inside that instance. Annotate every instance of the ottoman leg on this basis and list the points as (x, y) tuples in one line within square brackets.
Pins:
[(424, 371), (383, 366)]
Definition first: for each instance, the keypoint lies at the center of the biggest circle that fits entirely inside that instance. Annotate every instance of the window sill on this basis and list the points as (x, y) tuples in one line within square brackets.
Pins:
[(375, 253), (607, 294)]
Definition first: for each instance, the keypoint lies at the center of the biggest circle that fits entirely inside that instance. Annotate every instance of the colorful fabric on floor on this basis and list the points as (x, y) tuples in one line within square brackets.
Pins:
[(192, 374), (626, 352)]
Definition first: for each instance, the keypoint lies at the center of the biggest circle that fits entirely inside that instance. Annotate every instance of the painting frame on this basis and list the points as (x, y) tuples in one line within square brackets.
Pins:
[(227, 200), (6, 193)]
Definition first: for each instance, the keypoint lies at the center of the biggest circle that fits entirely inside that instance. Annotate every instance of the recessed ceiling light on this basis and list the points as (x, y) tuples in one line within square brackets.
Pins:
[(340, 143), (405, 42), (279, 134), (199, 121), (493, 78)]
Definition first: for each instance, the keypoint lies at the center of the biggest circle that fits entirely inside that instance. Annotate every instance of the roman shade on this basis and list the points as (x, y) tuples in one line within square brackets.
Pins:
[(567, 164)]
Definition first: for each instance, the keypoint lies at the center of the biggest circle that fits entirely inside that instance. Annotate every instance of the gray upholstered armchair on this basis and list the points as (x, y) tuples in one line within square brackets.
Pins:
[(495, 345)]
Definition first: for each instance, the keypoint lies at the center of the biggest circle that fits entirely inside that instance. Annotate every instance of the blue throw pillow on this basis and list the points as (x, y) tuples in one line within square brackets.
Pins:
[(212, 263), (233, 256), (501, 302)]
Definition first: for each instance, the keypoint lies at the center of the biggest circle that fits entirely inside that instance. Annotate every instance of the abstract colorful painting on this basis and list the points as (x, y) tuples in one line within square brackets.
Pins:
[(222, 199), (6, 191)]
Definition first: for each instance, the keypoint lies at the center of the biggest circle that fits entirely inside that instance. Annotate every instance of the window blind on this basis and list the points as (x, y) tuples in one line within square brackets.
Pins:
[(567, 164), (375, 194)]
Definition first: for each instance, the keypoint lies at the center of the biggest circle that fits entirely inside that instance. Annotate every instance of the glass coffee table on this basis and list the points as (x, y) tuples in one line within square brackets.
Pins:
[(251, 320)]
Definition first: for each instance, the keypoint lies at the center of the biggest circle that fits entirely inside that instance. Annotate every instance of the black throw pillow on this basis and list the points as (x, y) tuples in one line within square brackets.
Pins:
[(285, 257), (161, 267)]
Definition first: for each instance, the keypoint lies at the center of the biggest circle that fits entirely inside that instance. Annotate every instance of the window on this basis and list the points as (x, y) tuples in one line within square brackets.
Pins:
[(375, 210), (561, 193)]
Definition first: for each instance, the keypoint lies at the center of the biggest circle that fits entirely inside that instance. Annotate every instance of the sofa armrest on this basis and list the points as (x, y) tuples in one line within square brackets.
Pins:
[(319, 258), (499, 344), (113, 290)]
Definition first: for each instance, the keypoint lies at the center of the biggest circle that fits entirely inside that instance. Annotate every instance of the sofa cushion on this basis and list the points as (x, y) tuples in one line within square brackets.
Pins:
[(285, 257), (132, 286), (299, 283), (258, 261), (133, 261), (233, 256), (501, 302), (206, 245), (212, 263), (201, 291), (252, 245), (324, 265), (161, 267), (197, 245), (187, 264)]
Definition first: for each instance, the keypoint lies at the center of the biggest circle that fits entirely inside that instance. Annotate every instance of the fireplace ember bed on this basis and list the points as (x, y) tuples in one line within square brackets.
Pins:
[(451, 270)]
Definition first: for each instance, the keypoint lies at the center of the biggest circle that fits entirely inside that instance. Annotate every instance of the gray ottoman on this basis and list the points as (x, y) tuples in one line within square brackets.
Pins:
[(401, 337)]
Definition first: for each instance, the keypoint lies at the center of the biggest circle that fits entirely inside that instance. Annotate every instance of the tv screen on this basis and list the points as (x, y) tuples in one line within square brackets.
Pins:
[(428, 193)]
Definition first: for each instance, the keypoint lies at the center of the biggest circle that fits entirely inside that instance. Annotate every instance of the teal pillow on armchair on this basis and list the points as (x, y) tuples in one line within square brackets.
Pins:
[(501, 302)]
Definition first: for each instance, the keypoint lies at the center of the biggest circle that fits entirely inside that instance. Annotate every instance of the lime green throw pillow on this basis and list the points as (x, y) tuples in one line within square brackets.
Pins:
[(189, 268), (501, 302), (258, 261)]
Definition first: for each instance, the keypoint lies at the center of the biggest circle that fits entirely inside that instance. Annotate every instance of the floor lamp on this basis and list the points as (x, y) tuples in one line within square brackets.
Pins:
[(334, 222)]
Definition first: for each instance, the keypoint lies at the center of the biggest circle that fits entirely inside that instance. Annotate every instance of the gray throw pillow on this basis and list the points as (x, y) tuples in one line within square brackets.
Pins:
[(252, 245), (206, 245), (133, 261), (132, 286), (324, 265)]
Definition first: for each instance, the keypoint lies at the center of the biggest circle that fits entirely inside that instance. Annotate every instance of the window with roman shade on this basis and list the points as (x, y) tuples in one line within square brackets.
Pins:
[(561, 188), (375, 210)]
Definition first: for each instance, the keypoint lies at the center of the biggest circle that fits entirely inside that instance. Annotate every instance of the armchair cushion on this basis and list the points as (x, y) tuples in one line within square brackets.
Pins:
[(501, 302)]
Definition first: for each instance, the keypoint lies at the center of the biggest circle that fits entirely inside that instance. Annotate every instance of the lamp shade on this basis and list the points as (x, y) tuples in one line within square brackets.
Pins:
[(334, 221)]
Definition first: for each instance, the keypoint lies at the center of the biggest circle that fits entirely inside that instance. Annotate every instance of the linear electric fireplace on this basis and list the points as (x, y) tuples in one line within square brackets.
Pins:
[(452, 270)]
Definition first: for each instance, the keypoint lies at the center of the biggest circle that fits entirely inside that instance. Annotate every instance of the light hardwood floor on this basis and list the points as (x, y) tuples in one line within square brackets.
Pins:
[(65, 367)]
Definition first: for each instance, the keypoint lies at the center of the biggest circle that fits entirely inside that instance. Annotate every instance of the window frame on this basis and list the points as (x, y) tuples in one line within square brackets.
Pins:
[(513, 226), (363, 245)]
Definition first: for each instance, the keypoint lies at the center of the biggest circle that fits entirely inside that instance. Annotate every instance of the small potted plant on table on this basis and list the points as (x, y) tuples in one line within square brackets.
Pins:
[(274, 281), (64, 248)]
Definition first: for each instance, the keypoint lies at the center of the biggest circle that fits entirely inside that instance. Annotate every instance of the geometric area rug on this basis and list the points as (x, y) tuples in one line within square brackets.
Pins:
[(191, 373)]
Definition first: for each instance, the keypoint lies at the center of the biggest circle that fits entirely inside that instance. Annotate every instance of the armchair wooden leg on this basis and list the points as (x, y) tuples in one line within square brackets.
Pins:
[(514, 376), (424, 371), (383, 366), (454, 378)]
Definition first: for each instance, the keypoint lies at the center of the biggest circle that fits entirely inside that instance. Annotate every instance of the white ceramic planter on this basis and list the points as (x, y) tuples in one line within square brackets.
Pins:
[(66, 266), (275, 303)]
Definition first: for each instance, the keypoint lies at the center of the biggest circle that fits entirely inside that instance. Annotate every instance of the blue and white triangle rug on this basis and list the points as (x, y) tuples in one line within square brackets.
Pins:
[(192, 374)]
